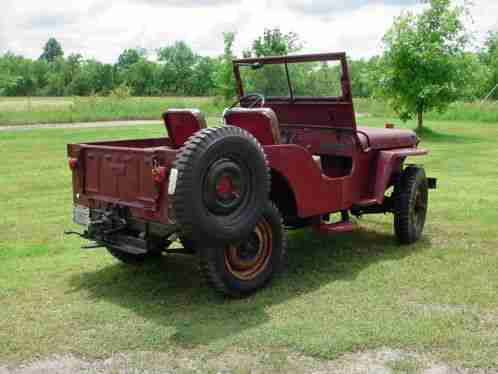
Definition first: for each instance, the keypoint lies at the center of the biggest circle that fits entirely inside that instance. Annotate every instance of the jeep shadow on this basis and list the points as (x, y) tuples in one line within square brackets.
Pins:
[(170, 293)]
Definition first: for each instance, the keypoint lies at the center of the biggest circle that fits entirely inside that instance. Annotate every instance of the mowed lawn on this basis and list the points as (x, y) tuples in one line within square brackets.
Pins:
[(346, 293)]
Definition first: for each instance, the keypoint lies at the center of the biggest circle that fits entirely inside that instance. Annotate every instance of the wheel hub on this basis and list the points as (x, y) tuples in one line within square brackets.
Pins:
[(247, 260), (225, 187)]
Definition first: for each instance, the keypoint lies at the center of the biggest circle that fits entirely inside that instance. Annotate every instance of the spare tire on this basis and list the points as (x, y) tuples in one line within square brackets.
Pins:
[(221, 187)]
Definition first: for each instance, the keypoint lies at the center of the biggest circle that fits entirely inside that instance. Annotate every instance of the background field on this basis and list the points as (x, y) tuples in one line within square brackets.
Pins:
[(22, 111), (19, 111), (352, 292)]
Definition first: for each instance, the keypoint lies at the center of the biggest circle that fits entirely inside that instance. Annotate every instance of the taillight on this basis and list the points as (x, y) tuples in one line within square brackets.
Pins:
[(159, 174), (73, 163)]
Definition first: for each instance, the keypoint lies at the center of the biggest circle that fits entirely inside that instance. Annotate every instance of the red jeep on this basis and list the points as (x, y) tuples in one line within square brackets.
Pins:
[(287, 157)]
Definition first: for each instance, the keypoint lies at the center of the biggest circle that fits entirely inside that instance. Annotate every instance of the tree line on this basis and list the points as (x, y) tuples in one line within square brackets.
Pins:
[(178, 70), (426, 65)]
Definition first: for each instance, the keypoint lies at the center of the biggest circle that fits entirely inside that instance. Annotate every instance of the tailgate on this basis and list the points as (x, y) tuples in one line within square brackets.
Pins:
[(119, 175)]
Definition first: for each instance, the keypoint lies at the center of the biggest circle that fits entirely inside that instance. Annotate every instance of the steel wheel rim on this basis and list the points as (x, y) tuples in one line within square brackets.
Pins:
[(247, 268), (233, 178)]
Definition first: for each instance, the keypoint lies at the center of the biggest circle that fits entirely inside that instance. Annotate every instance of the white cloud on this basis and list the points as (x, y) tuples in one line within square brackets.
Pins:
[(325, 7), (103, 29)]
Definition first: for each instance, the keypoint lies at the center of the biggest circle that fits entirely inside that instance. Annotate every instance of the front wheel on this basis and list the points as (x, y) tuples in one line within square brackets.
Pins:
[(239, 270), (411, 199)]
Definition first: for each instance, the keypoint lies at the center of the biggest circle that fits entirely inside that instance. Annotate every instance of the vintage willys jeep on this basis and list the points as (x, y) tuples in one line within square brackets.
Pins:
[(287, 157)]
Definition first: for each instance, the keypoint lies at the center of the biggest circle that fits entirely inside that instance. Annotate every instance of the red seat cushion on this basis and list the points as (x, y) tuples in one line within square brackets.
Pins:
[(262, 123), (182, 124)]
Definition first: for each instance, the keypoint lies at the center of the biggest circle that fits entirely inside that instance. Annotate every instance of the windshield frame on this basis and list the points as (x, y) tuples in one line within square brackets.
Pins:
[(286, 60)]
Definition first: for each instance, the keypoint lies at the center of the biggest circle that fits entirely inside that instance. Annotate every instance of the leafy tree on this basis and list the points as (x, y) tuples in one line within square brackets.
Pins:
[(274, 43), (423, 66), (224, 79), (272, 79), (16, 76), (180, 59), (140, 78), (52, 50), (363, 78), (489, 56), (202, 81), (58, 78), (130, 57)]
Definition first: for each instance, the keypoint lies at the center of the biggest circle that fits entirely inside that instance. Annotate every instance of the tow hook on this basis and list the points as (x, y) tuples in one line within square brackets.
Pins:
[(85, 236), (82, 236)]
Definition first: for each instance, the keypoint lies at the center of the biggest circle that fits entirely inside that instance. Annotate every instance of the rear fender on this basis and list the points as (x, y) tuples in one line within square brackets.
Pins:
[(390, 162), (313, 194)]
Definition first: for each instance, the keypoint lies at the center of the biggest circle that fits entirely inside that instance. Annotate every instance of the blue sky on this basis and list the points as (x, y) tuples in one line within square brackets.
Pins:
[(103, 28)]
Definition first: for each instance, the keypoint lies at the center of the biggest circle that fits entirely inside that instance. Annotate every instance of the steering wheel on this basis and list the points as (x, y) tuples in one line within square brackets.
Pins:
[(258, 98)]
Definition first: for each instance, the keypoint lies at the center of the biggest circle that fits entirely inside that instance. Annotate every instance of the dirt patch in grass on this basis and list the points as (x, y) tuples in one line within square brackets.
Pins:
[(276, 361)]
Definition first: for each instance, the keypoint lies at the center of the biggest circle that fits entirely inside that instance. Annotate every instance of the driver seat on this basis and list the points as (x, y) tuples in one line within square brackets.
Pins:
[(262, 123)]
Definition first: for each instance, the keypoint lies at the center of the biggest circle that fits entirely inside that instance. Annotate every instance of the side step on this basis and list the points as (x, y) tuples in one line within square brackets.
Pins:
[(334, 228)]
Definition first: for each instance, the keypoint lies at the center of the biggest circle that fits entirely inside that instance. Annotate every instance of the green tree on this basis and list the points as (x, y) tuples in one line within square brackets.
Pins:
[(140, 78), (274, 43), (272, 79), (489, 56), (423, 66), (58, 78), (130, 57), (52, 50), (224, 79), (203, 79), (179, 59), (16, 76), (363, 79)]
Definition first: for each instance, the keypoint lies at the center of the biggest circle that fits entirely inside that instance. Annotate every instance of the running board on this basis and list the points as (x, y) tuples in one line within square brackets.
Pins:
[(334, 228)]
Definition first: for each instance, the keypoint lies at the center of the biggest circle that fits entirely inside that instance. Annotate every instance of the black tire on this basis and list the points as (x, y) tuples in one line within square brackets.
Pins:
[(236, 271), (411, 199), (133, 259), (222, 185)]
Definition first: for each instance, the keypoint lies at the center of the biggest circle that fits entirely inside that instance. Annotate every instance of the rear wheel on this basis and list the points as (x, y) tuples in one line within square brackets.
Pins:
[(239, 270), (411, 200)]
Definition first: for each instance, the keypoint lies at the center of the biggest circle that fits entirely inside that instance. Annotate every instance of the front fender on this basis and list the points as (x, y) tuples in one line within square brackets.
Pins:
[(388, 162)]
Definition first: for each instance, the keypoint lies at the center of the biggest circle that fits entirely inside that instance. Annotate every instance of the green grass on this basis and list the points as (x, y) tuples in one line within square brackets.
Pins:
[(460, 111), (19, 111), (346, 293)]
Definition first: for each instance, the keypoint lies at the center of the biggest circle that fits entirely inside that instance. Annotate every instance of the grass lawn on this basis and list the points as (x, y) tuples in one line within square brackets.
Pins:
[(36, 110), (339, 294), (39, 110)]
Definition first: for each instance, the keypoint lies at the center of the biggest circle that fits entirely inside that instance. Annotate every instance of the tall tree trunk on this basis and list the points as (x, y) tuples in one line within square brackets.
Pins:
[(420, 120)]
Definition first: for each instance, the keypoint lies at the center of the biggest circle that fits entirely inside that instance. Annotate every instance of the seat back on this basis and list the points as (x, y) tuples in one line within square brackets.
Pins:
[(262, 123), (182, 124)]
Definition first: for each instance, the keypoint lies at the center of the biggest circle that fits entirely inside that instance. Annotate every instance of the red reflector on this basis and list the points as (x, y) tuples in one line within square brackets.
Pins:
[(73, 163), (159, 174)]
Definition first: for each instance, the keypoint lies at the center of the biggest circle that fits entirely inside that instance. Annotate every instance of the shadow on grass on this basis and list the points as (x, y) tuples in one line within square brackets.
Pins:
[(170, 294), (428, 134)]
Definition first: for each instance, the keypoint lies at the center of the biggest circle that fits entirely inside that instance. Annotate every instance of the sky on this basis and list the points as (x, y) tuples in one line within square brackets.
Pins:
[(102, 29)]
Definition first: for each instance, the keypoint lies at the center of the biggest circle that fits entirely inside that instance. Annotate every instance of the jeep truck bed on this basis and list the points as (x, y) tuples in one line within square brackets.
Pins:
[(122, 172)]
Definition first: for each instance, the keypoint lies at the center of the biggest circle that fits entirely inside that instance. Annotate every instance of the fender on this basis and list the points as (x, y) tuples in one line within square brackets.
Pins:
[(314, 193), (388, 162)]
